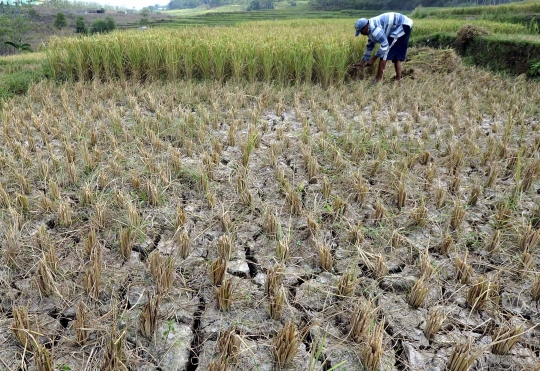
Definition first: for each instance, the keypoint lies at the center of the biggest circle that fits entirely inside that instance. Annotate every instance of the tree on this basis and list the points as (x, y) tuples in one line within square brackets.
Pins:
[(111, 24), (145, 12), (20, 46), (60, 21), (103, 25), (80, 26)]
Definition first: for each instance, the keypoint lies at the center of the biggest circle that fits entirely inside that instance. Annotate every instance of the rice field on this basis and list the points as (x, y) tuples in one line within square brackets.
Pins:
[(234, 198), (309, 51)]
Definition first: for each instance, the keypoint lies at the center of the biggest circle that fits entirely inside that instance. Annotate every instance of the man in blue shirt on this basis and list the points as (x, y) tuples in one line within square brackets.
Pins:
[(391, 31)]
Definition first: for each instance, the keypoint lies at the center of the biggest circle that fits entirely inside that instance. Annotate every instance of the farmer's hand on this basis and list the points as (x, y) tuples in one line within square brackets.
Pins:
[(359, 65), (369, 63)]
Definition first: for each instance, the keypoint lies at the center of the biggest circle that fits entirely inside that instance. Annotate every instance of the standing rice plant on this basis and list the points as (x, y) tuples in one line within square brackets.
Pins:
[(266, 55), (217, 55), (252, 63), (134, 57), (324, 63), (96, 57)]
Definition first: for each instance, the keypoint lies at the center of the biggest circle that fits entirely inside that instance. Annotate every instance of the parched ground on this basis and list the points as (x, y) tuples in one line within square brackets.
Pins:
[(419, 200)]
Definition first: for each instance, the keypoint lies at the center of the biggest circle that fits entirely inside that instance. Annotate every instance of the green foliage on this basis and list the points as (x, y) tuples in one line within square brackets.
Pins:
[(60, 21), (19, 45), (14, 25), (145, 12), (17, 83), (261, 5), (103, 25), (519, 12), (188, 4), (80, 26), (392, 4), (534, 69)]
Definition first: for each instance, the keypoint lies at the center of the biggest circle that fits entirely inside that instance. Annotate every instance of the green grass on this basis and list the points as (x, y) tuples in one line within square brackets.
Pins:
[(17, 72), (525, 7), (232, 15), (525, 13)]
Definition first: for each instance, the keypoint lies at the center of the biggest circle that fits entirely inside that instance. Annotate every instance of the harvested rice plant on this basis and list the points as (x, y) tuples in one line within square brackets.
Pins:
[(254, 212)]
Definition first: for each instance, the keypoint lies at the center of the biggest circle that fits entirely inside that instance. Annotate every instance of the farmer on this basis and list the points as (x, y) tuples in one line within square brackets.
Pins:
[(391, 31)]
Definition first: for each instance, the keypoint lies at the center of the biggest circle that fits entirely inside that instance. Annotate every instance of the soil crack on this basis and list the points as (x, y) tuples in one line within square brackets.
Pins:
[(196, 343)]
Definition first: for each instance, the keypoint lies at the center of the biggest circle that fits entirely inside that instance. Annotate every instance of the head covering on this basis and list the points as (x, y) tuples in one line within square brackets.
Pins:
[(361, 23)]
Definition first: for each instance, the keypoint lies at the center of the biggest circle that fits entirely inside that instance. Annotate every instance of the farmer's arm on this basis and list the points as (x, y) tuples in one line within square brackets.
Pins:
[(367, 59), (368, 52), (380, 37)]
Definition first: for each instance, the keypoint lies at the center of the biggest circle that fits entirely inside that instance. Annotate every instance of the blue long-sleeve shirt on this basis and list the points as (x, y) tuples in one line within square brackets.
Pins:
[(380, 28)]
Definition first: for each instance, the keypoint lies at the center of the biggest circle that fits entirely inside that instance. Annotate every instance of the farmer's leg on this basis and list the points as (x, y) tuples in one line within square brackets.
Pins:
[(380, 72), (397, 67)]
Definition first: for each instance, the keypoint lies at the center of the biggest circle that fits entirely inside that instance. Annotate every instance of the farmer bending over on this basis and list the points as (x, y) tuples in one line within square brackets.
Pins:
[(391, 31)]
